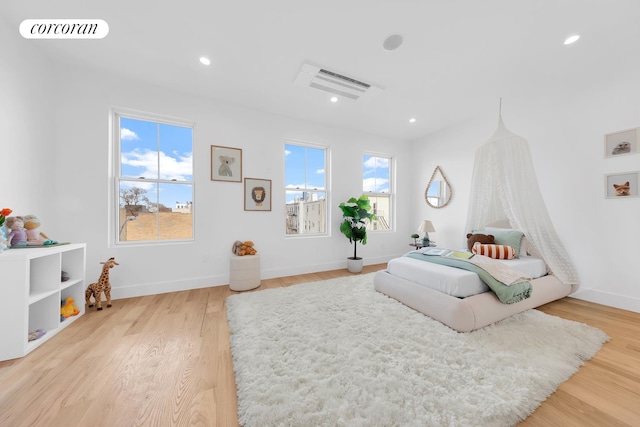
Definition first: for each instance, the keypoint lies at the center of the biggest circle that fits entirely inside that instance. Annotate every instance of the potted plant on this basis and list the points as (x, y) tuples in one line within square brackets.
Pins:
[(356, 213), (415, 236)]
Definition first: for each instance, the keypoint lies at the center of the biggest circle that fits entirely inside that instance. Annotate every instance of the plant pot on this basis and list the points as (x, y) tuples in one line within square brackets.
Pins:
[(354, 265)]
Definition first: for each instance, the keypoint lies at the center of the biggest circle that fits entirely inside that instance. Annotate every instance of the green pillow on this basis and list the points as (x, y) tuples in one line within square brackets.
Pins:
[(505, 236)]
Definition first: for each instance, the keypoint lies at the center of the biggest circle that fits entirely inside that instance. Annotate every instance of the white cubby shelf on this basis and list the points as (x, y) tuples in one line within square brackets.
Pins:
[(32, 290)]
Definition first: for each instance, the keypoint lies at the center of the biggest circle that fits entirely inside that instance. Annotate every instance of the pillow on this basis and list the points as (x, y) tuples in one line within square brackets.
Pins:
[(507, 236), (494, 251), (479, 237)]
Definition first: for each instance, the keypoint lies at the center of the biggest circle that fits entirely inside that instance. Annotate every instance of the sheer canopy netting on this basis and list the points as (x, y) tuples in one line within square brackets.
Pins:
[(505, 186)]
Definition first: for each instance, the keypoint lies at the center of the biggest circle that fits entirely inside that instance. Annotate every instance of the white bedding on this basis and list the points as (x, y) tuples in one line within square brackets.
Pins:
[(454, 281)]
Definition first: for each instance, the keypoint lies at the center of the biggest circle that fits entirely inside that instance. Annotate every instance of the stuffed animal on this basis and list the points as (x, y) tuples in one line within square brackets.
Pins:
[(482, 238), (243, 248), (17, 234), (36, 333), (35, 237), (68, 309), (102, 285)]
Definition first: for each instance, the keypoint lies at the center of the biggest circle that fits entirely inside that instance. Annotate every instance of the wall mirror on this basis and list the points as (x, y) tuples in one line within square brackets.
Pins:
[(438, 193)]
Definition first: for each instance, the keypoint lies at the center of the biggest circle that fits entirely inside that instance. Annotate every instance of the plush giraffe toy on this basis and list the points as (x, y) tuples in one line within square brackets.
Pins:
[(102, 285)]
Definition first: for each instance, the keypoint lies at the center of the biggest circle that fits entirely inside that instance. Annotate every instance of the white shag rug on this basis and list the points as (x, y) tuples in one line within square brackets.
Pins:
[(338, 353)]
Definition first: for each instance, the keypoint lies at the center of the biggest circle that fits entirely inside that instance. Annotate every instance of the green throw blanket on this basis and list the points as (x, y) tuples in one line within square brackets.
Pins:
[(507, 294)]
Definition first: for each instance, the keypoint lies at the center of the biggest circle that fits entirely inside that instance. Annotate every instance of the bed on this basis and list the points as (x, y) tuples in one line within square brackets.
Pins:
[(458, 298)]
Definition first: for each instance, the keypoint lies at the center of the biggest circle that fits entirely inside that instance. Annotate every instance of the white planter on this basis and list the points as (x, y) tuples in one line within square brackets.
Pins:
[(354, 265)]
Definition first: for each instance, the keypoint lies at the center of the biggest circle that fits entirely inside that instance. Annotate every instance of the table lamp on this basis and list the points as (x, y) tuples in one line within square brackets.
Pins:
[(426, 227)]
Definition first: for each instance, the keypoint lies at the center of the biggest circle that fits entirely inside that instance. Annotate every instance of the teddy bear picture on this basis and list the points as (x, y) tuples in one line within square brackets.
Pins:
[(226, 164)]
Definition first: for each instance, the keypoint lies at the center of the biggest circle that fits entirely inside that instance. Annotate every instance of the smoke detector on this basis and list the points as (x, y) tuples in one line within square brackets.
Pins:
[(321, 78)]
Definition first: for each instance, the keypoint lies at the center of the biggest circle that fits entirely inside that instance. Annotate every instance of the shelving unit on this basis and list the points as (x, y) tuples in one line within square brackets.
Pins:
[(31, 291)]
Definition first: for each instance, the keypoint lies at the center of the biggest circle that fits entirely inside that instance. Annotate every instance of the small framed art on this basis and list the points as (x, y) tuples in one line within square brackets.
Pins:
[(621, 185), (257, 194), (226, 164), (621, 143)]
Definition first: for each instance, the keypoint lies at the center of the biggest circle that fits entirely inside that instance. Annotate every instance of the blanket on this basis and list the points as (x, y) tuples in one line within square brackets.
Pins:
[(508, 285)]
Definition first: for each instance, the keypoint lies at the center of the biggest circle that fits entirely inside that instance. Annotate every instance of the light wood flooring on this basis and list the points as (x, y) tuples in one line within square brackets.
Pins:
[(164, 360)]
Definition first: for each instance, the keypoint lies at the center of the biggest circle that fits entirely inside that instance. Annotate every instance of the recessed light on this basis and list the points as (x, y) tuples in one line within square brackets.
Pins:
[(334, 99), (412, 120), (572, 39), (205, 60), (392, 42)]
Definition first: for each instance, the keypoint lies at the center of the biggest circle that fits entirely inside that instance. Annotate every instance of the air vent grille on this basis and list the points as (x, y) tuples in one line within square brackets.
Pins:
[(335, 83)]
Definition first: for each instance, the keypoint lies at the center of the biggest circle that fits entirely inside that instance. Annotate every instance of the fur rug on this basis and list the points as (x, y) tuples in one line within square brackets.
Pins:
[(338, 353)]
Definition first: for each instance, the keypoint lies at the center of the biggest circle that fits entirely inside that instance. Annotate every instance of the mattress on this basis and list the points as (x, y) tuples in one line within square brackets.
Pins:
[(454, 281)]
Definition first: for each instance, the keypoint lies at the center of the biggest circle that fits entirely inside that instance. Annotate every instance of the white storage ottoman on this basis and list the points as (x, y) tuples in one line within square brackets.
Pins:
[(244, 272)]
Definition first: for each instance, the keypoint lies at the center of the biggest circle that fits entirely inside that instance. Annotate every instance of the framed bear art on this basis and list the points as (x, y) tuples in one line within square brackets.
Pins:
[(226, 164)]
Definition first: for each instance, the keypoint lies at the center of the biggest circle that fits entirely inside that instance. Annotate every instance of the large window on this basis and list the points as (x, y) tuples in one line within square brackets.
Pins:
[(305, 189), (153, 188), (377, 185)]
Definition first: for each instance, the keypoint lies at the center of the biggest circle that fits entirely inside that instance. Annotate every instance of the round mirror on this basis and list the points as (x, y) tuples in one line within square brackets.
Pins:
[(438, 193)]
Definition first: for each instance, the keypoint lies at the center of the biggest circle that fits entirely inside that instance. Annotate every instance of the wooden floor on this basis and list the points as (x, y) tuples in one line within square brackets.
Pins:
[(164, 360)]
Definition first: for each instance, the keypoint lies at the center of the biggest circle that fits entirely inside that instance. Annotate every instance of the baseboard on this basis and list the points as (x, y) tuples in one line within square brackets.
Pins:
[(606, 298), (164, 287), (205, 282), (315, 268)]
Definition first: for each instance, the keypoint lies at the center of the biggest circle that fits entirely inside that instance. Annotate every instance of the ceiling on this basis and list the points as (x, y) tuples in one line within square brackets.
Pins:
[(458, 57)]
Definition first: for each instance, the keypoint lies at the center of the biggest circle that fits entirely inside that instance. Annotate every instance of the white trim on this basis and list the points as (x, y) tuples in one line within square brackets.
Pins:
[(114, 144), (326, 189), (606, 298), (155, 288)]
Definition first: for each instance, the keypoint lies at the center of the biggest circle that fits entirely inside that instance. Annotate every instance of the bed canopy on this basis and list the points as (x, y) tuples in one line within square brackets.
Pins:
[(504, 186)]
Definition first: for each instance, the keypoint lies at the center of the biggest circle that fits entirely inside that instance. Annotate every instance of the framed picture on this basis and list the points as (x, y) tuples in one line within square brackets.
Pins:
[(257, 194), (621, 185), (226, 164), (621, 143)]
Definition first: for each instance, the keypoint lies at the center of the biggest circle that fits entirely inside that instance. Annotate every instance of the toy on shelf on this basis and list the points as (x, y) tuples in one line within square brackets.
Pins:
[(24, 232), (35, 237), (102, 285), (68, 308), (243, 248), (36, 334)]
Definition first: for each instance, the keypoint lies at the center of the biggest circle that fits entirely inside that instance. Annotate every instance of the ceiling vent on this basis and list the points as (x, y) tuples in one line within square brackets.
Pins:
[(335, 83)]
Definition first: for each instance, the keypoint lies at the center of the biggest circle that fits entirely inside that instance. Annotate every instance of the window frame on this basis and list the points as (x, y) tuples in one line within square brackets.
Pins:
[(115, 176), (326, 190), (390, 194)]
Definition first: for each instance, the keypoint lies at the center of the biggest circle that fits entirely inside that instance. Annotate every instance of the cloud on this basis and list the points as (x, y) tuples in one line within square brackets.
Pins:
[(178, 168), (376, 162), (320, 171), (301, 187), (377, 185), (287, 152), (128, 135)]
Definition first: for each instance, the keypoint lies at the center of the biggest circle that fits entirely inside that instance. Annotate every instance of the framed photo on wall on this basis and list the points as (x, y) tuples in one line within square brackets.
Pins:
[(226, 164), (621, 185), (257, 194), (621, 143)]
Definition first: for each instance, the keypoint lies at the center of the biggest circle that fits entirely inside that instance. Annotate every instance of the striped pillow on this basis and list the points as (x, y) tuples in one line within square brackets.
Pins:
[(494, 251)]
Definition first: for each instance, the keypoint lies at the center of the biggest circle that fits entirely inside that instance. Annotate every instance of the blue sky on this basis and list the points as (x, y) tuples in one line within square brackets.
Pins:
[(305, 168), (155, 151)]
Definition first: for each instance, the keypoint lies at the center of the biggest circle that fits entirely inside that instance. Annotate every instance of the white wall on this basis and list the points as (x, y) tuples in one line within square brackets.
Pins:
[(566, 140), (26, 122), (83, 99)]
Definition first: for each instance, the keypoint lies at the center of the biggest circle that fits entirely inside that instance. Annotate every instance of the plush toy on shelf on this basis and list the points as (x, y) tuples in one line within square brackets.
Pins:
[(36, 334), (35, 237), (68, 308), (17, 233), (243, 248), (23, 231)]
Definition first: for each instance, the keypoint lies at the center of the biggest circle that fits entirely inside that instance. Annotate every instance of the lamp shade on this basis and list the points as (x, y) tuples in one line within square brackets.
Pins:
[(426, 227)]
